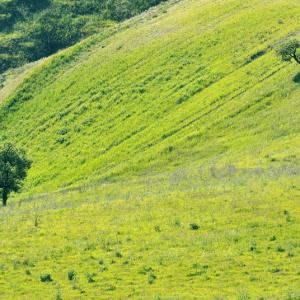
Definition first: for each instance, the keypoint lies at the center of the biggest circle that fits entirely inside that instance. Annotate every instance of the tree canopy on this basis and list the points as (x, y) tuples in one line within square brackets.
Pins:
[(31, 29), (13, 169), (289, 51)]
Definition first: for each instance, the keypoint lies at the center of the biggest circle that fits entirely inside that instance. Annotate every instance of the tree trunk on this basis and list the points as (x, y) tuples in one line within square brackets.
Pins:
[(295, 56), (4, 198), (297, 59)]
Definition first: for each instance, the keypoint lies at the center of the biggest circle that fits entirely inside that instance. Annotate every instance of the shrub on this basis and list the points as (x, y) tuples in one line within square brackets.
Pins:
[(118, 254), (253, 246), (72, 275), (151, 278), (157, 228), (61, 140), (257, 55), (58, 296), (103, 268), (194, 226), (101, 262), (90, 277), (46, 278), (29, 263), (280, 249), (275, 270), (63, 131)]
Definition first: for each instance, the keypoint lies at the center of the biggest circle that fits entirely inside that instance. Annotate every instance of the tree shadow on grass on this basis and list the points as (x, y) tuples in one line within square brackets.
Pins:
[(296, 78)]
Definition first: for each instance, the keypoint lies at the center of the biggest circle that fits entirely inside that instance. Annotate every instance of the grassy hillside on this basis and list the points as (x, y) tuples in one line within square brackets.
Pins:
[(187, 86), (180, 116)]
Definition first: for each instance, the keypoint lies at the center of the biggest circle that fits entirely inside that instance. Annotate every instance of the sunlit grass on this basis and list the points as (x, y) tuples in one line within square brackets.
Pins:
[(176, 89), (165, 161), (134, 239)]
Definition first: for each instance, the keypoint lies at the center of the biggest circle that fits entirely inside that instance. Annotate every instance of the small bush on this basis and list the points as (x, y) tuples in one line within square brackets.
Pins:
[(72, 275), (90, 277), (61, 140), (63, 131), (256, 55), (58, 296), (280, 249), (29, 263), (118, 254), (146, 270), (182, 99), (253, 247), (151, 278), (296, 78), (170, 148), (103, 268), (194, 226), (27, 272), (36, 221), (157, 228), (275, 270), (101, 262), (46, 278)]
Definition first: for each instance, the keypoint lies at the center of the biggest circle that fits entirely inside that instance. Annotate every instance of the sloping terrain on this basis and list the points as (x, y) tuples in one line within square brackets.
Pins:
[(183, 87), (165, 160)]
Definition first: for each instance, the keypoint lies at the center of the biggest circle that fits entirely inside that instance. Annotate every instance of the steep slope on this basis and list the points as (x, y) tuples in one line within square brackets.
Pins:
[(200, 82)]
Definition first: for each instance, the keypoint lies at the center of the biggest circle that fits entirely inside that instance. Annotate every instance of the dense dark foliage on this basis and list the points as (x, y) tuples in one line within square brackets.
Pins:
[(31, 29), (289, 51), (13, 170)]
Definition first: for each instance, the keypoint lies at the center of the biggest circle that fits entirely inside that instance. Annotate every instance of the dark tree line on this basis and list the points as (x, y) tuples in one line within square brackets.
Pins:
[(38, 28)]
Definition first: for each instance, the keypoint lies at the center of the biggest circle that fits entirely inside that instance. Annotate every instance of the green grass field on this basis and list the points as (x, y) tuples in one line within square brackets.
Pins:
[(133, 239), (183, 115)]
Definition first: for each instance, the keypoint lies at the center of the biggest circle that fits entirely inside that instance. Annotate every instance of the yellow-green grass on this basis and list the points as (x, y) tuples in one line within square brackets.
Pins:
[(183, 115), (13, 78), (172, 90), (135, 240)]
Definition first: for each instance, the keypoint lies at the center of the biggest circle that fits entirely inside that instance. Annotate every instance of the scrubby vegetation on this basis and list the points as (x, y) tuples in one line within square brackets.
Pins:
[(33, 29)]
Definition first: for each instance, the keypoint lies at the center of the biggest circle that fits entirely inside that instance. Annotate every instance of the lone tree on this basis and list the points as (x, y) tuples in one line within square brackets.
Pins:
[(13, 170), (290, 50)]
